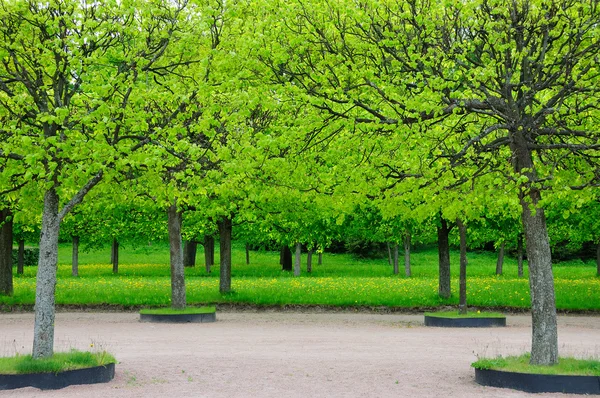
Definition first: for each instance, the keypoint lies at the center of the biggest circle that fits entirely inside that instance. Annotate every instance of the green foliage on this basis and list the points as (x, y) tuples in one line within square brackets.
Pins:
[(31, 255), (565, 366), (59, 362)]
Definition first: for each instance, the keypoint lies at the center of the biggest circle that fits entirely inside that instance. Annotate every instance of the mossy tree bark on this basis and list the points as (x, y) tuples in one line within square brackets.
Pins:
[(75, 256), (520, 256), (462, 300), (443, 231), (178, 298), (500, 261), (6, 241), (297, 259), (225, 229)]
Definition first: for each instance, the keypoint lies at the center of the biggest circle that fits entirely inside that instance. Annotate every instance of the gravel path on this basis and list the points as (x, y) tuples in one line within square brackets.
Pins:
[(283, 354)]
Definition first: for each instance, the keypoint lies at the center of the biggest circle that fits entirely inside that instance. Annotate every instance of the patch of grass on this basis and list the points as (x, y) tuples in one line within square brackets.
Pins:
[(172, 311), (565, 366), (470, 314), (59, 362)]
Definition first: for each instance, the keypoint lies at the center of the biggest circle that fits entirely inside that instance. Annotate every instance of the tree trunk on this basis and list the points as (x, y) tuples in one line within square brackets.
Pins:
[(287, 259), (444, 259), (395, 259), (43, 331), (389, 251), (115, 256), (247, 254), (309, 261), (320, 260), (462, 300), (598, 259), (209, 252), (21, 257), (500, 261), (281, 254), (225, 229), (190, 247), (178, 298), (75, 256), (297, 259), (544, 343), (6, 242), (520, 256), (407, 271)]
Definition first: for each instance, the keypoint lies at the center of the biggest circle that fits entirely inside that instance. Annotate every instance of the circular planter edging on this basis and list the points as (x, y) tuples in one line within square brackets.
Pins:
[(55, 381), (438, 321), (530, 382), (179, 318)]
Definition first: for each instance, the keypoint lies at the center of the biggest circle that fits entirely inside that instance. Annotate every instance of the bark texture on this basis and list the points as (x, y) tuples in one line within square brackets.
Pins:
[(286, 264), (178, 298), (462, 300), (297, 259), (520, 256), (389, 251), (190, 247), (407, 270), (114, 256), (21, 257), (209, 252), (395, 259), (500, 261), (75, 256), (544, 343), (247, 254), (309, 261), (225, 229), (43, 333), (6, 241), (444, 259)]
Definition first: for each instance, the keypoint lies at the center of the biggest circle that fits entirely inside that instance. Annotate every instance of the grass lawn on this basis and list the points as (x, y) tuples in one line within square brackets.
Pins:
[(565, 366), (59, 362), (342, 280)]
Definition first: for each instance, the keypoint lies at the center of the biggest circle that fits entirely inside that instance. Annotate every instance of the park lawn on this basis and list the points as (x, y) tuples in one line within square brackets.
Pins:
[(342, 280)]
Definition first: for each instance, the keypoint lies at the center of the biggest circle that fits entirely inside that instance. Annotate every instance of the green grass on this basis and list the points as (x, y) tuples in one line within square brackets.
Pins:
[(342, 280), (565, 366), (59, 362), (470, 314), (172, 311)]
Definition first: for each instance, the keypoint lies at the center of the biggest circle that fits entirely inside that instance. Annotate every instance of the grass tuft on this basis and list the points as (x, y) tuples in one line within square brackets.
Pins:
[(59, 362), (172, 311), (566, 366)]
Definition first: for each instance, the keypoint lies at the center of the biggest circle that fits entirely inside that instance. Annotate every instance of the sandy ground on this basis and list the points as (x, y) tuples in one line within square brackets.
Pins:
[(283, 354)]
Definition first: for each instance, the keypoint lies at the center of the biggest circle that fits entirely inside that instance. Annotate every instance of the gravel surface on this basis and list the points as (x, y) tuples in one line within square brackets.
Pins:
[(290, 354)]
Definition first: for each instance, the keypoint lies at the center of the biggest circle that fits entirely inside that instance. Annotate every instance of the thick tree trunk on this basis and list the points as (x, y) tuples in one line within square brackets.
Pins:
[(178, 298), (21, 257), (43, 332), (520, 256), (462, 300), (75, 256), (281, 256), (209, 252), (297, 259), (395, 259), (544, 344), (598, 259), (287, 259), (309, 261), (115, 256), (320, 260), (444, 259), (190, 247), (247, 254), (389, 250), (500, 261), (407, 270), (6, 242), (225, 229)]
